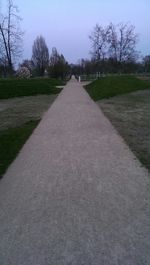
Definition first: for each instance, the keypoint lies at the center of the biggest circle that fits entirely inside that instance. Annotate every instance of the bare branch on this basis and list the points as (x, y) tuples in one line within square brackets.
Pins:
[(115, 41), (10, 33)]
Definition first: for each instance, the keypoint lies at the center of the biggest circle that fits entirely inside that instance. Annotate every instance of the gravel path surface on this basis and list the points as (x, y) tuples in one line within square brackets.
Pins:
[(75, 195)]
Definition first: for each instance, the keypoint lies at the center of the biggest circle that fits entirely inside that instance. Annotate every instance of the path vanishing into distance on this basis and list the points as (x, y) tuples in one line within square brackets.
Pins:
[(76, 194)]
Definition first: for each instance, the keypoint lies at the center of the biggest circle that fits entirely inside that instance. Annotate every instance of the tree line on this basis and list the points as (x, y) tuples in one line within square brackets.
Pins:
[(113, 50), (11, 37), (43, 63)]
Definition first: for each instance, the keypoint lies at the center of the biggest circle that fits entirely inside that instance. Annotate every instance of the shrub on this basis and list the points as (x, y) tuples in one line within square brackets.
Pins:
[(23, 73)]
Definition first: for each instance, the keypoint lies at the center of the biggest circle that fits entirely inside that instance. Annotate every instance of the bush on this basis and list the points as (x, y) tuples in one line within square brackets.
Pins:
[(23, 73)]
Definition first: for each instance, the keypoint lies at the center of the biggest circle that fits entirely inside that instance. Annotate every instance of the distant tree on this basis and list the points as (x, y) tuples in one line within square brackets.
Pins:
[(99, 39), (122, 41), (114, 41), (27, 63), (146, 63), (4, 69), (10, 36), (58, 67), (54, 57), (84, 67), (113, 47), (40, 55)]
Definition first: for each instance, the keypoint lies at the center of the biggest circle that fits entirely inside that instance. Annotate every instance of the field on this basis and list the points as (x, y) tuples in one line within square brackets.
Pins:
[(130, 115), (20, 115)]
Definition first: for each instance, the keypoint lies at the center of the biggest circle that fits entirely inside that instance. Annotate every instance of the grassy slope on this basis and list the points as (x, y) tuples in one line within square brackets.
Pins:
[(11, 141), (10, 88), (107, 87)]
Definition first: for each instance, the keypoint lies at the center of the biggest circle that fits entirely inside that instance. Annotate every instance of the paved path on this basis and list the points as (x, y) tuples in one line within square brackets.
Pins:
[(75, 195)]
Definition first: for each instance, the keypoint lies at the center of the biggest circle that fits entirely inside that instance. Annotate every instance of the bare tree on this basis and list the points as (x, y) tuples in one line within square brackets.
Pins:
[(10, 35), (99, 42), (54, 58), (122, 40), (114, 41), (40, 55), (146, 63)]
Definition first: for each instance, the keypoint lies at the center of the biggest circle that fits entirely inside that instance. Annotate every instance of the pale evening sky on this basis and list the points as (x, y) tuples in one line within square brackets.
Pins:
[(66, 24)]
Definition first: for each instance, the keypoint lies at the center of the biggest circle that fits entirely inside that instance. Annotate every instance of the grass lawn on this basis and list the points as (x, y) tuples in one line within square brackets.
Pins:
[(111, 86), (125, 101), (10, 88), (22, 105), (11, 141)]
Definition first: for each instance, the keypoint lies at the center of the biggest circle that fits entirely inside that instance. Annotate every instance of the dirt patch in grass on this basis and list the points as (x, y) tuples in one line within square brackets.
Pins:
[(18, 119), (130, 114), (17, 111), (144, 77)]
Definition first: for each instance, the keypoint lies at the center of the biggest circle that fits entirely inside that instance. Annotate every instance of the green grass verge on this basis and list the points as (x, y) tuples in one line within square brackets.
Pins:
[(11, 141), (111, 86), (10, 88)]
